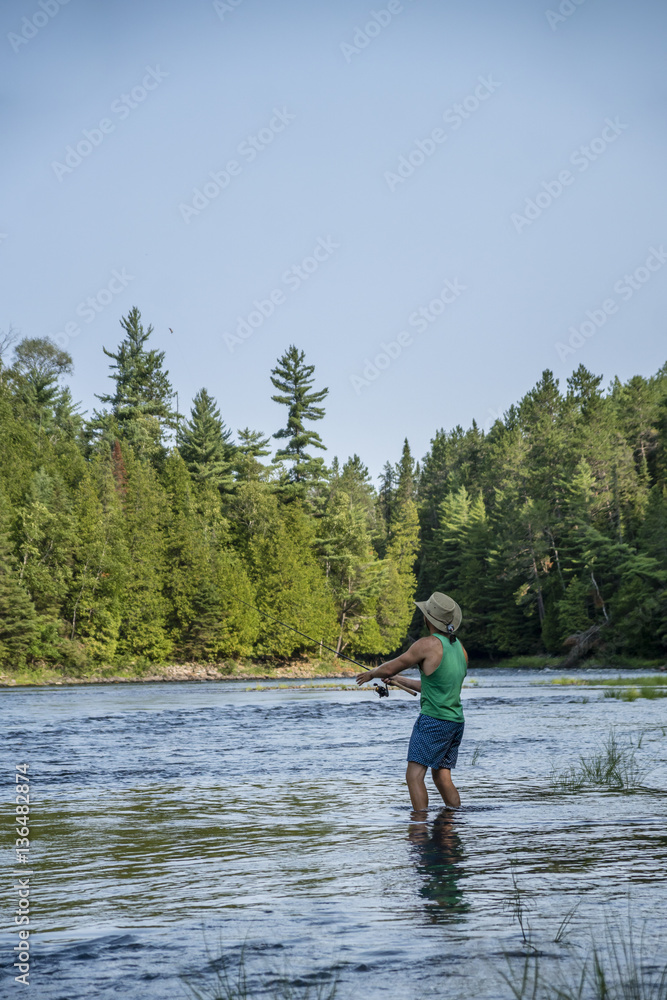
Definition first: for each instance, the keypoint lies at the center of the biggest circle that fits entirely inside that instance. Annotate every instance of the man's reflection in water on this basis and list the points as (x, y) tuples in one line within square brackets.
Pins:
[(439, 857)]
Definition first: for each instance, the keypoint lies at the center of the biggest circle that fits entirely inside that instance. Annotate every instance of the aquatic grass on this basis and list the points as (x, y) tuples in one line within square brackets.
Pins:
[(623, 694), (632, 693), (518, 904), (564, 925), (230, 981), (613, 968), (226, 984), (613, 765), (477, 753), (649, 681)]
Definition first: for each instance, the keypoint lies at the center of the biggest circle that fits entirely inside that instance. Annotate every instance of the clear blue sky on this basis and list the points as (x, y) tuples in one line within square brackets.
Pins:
[(512, 94)]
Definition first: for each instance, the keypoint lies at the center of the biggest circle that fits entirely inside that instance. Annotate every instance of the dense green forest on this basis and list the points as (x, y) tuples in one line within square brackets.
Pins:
[(139, 535)]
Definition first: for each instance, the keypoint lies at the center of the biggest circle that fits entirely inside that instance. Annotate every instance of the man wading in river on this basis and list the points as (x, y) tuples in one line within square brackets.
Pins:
[(436, 735)]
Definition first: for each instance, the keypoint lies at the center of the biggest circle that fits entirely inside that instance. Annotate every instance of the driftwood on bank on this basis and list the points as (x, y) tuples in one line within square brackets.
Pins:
[(580, 643)]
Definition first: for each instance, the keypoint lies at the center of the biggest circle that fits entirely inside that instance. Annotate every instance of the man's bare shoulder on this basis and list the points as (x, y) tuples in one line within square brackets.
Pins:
[(425, 646)]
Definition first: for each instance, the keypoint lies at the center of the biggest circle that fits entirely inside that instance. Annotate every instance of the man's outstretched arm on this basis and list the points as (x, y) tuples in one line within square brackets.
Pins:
[(417, 652)]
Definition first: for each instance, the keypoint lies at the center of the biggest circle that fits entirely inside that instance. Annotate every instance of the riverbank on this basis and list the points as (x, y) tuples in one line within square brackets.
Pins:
[(138, 673), (158, 673)]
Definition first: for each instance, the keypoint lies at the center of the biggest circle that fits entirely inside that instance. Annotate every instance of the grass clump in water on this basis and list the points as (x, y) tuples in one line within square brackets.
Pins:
[(613, 969), (656, 681), (632, 693), (231, 981), (613, 765)]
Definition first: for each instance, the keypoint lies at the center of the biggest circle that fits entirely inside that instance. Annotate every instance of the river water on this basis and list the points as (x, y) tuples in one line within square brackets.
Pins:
[(181, 830)]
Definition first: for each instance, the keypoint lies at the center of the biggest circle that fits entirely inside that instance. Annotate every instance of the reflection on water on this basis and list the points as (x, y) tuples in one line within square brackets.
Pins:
[(438, 856), (172, 822)]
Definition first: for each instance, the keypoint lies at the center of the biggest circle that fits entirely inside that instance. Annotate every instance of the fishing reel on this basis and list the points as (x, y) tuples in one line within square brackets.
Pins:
[(382, 690)]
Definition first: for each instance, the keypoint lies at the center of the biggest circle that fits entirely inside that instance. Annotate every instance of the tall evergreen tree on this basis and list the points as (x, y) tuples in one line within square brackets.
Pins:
[(206, 580), (141, 401), (405, 476), (46, 535), (277, 543), (18, 619), (354, 575), (294, 380), (387, 493), (252, 445), (354, 479), (205, 443), (143, 629)]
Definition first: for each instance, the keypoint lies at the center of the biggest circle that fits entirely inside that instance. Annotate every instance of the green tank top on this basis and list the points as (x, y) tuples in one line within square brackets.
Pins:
[(441, 690)]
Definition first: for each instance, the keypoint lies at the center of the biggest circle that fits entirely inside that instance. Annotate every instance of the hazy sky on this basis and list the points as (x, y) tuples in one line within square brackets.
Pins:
[(446, 190)]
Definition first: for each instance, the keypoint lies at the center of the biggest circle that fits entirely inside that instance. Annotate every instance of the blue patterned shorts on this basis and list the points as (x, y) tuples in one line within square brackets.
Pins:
[(435, 742)]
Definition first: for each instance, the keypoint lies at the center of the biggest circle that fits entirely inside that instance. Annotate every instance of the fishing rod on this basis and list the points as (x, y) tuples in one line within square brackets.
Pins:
[(383, 691)]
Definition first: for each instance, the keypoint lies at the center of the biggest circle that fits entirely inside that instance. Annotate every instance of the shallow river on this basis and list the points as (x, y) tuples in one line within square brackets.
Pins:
[(176, 823)]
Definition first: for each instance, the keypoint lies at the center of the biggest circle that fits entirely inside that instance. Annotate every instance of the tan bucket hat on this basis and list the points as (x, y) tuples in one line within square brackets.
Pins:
[(441, 611)]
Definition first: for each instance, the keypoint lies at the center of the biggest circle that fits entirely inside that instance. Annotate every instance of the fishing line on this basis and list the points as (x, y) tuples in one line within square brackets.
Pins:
[(382, 691)]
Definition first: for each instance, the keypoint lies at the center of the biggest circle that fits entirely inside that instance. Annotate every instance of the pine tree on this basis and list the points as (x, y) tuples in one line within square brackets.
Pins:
[(46, 534), (206, 582), (205, 443), (583, 390), (354, 574), (143, 627), (387, 493), (354, 479), (100, 573), (252, 445), (290, 585), (294, 380), (405, 476), (399, 563), (68, 421), (399, 547), (141, 402), (18, 619)]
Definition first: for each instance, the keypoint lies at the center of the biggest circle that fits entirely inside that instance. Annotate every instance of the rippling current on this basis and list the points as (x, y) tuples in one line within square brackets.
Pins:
[(181, 830)]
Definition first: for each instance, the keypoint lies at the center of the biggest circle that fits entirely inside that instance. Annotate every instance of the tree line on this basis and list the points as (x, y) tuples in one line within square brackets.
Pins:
[(139, 535)]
